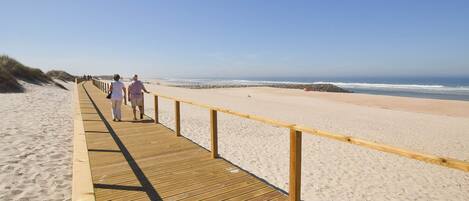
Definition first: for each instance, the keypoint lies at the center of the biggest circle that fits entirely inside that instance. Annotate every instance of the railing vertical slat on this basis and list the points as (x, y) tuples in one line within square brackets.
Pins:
[(156, 109), (295, 165), (214, 132), (177, 117)]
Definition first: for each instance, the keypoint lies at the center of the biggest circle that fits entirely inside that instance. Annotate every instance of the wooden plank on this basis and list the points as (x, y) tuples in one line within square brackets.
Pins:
[(216, 192), (235, 192), (258, 192), (214, 133), (198, 188), (295, 165)]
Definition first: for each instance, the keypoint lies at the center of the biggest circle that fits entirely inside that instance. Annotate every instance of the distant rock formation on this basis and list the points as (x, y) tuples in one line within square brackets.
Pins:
[(11, 71), (313, 87), (61, 75), (326, 88), (306, 87)]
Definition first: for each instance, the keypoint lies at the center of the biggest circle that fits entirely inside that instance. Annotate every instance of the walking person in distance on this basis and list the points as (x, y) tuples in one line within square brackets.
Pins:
[(136, 96), (117, 89)]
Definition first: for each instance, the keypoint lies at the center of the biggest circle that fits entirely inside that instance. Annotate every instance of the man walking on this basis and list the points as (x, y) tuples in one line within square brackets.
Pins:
[(136, 96)]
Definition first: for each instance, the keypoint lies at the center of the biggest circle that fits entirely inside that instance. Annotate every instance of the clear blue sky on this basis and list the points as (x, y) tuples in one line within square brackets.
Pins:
[(240, 38)]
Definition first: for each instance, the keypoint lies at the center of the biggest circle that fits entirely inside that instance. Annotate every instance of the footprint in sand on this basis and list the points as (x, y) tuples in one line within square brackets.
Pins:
[(56, 156), (16, 192)]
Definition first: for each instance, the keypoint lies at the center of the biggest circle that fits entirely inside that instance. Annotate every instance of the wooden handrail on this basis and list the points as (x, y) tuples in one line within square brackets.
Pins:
[(447, 162), (295, 143)]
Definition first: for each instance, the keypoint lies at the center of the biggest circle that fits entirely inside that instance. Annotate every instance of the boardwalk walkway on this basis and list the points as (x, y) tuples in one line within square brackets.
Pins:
[(145, 161)]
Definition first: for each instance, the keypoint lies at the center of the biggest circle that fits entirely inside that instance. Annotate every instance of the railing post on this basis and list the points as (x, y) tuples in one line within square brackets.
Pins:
[(295, 165), (214, 132), (177, 117), (143, 104), (125, 96), (156, 109)]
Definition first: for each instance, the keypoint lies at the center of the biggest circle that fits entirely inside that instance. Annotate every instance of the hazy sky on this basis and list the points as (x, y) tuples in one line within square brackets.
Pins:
[(235, 38)]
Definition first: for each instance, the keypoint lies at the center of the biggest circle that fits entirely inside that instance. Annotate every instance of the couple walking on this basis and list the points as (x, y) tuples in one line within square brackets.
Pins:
[(135, 96)]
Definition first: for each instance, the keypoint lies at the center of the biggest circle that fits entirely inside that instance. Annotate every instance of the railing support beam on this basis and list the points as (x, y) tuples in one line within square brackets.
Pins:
[(177, 117), (214, 132), (143, 104), (156, 109), (295, 165)]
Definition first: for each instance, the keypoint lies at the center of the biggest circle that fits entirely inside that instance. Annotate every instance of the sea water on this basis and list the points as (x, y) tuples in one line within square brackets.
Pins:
[(450, 88)]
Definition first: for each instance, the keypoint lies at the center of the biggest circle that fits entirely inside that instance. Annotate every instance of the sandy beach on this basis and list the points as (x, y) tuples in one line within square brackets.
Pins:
[(334, 170), (36, 130)]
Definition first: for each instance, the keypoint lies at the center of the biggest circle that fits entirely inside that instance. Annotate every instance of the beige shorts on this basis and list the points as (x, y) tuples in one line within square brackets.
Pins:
[(136, 101)]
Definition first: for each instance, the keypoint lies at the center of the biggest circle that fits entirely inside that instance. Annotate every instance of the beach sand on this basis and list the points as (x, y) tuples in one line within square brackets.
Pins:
[(333, 170), (36, 129)]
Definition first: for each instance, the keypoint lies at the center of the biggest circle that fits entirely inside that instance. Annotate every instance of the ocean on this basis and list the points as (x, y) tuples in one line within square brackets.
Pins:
[(448, 88)]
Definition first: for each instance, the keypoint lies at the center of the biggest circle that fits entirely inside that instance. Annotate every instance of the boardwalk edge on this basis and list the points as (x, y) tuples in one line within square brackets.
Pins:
[(82, 183)]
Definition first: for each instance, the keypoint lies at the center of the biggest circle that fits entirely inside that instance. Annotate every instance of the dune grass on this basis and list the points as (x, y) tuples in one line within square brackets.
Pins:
[(11, 71), (61, 75)]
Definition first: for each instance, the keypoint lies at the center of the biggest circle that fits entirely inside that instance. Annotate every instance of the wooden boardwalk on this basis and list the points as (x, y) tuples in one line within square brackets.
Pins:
[(146, 161)]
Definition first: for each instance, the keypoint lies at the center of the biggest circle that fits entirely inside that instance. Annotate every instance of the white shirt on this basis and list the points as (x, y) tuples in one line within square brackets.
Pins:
[(117, 93)]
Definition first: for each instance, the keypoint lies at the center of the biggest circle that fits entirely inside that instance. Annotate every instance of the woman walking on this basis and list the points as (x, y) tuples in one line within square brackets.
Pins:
[(117, 89)]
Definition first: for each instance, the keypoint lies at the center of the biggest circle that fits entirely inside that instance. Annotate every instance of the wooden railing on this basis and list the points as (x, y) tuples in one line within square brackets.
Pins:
[(296, 132)]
